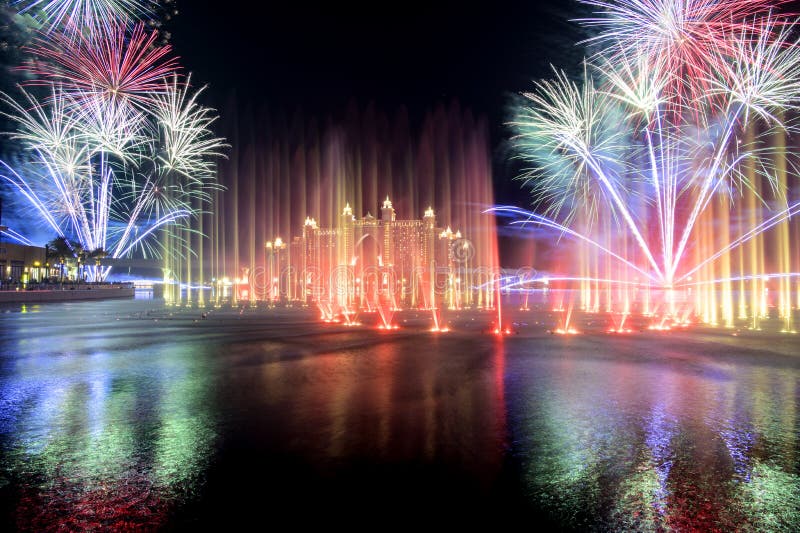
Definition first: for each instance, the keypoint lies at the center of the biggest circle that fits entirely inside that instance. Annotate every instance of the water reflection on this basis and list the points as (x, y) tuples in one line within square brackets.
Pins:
[(132, 416), (386, 401), (101, 439), (610, 444)]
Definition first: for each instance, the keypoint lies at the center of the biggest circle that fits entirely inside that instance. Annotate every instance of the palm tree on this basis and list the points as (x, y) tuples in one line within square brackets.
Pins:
[(80, 253), (60, 249), (98, 255)]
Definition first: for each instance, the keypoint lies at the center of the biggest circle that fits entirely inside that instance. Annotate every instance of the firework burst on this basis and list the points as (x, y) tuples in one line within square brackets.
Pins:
[(678, 109), (110, 63), (119, 150), (71, 15), (687, 39)]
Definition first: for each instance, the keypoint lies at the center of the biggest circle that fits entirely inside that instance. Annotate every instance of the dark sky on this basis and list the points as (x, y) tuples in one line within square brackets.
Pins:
[(321, 56)]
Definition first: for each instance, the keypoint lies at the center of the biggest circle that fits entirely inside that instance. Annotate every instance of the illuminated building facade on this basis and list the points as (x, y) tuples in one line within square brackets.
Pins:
[(372, 263), (22, 264)]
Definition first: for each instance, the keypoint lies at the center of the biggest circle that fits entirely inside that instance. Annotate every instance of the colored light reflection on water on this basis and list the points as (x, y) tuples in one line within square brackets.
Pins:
[(102, 426), (126, 415), (629, 441)]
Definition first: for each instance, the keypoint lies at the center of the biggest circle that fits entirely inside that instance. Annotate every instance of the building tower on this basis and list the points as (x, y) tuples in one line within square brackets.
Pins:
[(311, 259), (428, 236), (387, 221), (346, 232), (344, 293)]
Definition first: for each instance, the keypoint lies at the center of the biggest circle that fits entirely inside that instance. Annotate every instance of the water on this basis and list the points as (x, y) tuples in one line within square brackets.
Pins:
[(128, 415)]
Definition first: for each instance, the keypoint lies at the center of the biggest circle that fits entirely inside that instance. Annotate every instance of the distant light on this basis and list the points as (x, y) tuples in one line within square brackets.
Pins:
[(568, 331)]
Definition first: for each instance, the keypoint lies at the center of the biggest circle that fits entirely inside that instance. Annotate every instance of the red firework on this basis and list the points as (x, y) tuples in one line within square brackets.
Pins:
[(690, 39), (109, 61)]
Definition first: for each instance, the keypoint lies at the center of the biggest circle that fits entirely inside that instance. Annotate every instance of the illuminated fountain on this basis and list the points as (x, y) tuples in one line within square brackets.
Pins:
[(666, 171), (297, 225), (378, 265)]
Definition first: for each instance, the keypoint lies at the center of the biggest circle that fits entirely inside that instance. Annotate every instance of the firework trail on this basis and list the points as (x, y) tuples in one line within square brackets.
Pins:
[(70, 15), (119, 148), (674, 111)]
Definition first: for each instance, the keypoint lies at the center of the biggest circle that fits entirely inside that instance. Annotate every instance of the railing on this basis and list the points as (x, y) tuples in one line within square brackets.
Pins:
[(65, 286)]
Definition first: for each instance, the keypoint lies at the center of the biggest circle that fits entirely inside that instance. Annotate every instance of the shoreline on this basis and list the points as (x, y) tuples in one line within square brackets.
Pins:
[(99, 292)]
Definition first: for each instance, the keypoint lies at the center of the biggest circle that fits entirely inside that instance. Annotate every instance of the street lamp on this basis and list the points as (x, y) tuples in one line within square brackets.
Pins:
[(278, 246), (448, 236), (267, 268)]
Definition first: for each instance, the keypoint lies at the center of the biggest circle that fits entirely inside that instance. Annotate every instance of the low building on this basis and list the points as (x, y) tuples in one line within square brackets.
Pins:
[(22, 264)]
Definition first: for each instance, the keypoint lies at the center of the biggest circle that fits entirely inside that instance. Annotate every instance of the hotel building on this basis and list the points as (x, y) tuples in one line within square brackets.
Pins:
[(373, 262)]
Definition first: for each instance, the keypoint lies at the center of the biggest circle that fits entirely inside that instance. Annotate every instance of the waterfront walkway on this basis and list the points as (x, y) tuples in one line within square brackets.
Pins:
[(63, 292)]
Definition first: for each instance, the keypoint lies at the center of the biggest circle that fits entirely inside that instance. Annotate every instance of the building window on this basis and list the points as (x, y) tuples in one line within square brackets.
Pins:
[(16, 270)]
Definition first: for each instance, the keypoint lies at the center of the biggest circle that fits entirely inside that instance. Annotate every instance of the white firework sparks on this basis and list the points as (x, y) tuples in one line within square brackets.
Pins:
[(110, 173)]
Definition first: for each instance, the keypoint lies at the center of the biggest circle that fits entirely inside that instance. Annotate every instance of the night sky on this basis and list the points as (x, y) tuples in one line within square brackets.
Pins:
[(322, 54), (319, 57)]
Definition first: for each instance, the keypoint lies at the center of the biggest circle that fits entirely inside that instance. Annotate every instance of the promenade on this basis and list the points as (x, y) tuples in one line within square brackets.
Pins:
[(14, 293)]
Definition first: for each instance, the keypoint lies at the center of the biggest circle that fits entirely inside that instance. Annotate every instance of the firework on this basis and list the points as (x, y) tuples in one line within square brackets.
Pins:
[(184, 126), (71, 15), (105, 169), (687, 39), (677, 110), (110, 62)]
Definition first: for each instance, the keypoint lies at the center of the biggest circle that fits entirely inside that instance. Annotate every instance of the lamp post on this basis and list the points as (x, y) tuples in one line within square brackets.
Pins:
[(98, 256), (267, 269), (278, 246), (448, 236), (467, 286), (80, 253)]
